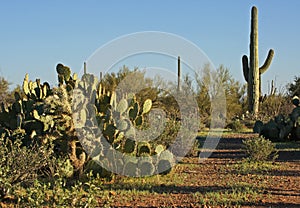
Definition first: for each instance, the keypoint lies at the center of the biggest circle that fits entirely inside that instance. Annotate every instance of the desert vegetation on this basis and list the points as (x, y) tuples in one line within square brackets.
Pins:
[(50, 160), (122, 140)]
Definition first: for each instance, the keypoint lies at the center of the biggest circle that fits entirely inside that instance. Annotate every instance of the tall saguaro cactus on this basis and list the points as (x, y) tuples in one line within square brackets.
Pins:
[(252, 71), (178, 74)]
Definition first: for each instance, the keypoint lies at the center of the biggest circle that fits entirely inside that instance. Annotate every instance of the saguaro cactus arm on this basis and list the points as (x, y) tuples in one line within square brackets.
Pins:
[(245, 67), (267, 63)]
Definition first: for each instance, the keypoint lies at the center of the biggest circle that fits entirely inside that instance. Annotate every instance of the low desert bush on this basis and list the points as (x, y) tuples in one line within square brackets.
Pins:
[(236, 126), (260, 149)]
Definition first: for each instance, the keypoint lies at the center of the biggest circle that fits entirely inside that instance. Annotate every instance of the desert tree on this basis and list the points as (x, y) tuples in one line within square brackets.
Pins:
[(294, 87), (4, 90)]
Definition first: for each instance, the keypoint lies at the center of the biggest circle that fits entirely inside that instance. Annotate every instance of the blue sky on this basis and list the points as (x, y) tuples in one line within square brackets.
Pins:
[(36, 35)]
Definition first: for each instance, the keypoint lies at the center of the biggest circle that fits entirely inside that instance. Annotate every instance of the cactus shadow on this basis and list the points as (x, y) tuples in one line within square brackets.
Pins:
[(288, 156)]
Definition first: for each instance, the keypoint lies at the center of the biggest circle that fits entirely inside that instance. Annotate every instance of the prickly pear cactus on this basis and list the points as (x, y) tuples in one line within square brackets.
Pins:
[(80, 116), (282, 128), (119, 122), (165, 162), (28, 112), (258, 126), (64, 77), (146, 166), (35, 90)]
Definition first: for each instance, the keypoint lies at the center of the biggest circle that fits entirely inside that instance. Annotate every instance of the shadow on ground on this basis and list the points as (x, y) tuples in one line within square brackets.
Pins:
[(232, 148)]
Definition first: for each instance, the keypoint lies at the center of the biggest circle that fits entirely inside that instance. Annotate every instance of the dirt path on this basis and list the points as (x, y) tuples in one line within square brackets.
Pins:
[(216, 182), (282, 185), (211, 184), (231, 146)]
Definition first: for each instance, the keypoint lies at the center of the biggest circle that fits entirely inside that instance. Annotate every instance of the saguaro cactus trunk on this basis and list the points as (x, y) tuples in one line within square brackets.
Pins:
[(252, 71), (178, 74)]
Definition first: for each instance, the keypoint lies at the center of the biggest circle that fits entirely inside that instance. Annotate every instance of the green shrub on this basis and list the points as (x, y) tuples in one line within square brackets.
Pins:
[(32, 176), (59, 193), (236, 126), (20, 164), (246, 166), (260, 149)]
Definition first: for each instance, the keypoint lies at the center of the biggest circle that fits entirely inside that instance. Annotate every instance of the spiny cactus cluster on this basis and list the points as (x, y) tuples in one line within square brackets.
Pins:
[(281, 128), (35, 90), (80, 117), (111, 130), (28, 113), (43, 115)]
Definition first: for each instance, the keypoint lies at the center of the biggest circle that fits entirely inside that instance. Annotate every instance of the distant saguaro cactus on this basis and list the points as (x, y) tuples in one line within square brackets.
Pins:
[(252, 71)]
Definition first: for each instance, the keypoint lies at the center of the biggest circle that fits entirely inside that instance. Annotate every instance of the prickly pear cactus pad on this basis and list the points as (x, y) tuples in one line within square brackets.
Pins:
[(122, 132)]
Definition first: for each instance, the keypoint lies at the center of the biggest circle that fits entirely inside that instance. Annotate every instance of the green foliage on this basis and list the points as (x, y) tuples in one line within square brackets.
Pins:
[(39, 126), (210, 84), (236, 126), (20, 164), (281, 128), (45, 115), (273, 105), (260, 149), (122, 119), (294, 87), (248, 166), (111, 81), (235, 196), (4, 90), (62, 168), (33, 176), (59, 193)]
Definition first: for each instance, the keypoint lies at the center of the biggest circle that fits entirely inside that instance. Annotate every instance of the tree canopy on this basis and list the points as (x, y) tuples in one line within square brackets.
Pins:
[(4, 90), (294, 87)]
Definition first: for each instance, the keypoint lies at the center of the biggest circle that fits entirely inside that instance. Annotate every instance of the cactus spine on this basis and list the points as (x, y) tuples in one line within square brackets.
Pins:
[(252, 71)]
